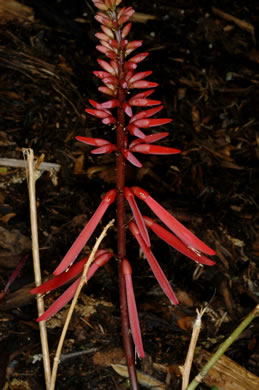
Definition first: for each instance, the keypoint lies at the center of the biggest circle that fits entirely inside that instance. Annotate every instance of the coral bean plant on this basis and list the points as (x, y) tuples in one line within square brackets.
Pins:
[(120, 77)]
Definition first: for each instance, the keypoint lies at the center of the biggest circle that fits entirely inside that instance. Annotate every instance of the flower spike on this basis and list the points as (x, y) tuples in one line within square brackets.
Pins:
[(159, 274), (86, 233), (175, 226), (132, 308)]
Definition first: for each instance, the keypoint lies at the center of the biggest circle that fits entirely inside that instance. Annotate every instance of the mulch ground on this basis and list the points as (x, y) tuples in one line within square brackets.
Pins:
[(207, 67)]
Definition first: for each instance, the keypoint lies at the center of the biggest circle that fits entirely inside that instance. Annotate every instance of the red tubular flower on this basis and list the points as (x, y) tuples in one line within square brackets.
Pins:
[(93, 141), (107, 91), (86, 233), (175, 226), (64, 277), (146, 114), (106, 66), (111, 103), (157, 271), (144, 102), (137, 215), (146, 123), (140, 76), (70, 292), (153, 149), (177, 244), (138, 58), (105, 149), (132, 308), (134, 130), (144, 94), (143, 84), (149, 139), (125, 31), (98, 113)]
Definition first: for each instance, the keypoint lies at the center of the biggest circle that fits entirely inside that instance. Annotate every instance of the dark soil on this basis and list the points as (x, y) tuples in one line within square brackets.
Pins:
[(208, 71)]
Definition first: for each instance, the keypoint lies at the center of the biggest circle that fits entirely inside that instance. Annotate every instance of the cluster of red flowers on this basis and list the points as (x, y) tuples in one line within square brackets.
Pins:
[(114, 45)]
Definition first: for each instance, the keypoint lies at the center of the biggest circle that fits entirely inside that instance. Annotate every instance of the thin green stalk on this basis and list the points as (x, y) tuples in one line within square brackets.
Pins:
[(222, 349)]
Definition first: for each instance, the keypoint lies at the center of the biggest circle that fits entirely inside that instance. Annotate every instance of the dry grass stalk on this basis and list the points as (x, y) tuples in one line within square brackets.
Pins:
[(32, 177)]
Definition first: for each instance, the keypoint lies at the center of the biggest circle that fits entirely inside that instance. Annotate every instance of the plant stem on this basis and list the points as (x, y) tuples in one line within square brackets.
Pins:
[(120, 166), (222, 349)]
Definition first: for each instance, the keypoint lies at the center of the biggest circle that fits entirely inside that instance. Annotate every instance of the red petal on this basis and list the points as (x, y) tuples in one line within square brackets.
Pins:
[(134, 130), (140, 76), (98, 113), (137, 215), (143, 84), (144, 102), (106, 66), (132, 309), (144, 94), (101, 74), (60, 302), (111, 103), (127, 109), (126, 30), (146, 114), (86, 233), (93, 141), (153, 149), (146, 123), (159, 274), (106, 90), (131, 158), (104, 149), (138, 58), (107, 31), (175, 226), (110, 120), (149, 139)]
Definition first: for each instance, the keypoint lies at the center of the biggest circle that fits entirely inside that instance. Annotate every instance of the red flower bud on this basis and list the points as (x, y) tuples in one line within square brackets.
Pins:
[(144, 102), (138, 58), (93, 141), (146, 114), (126, 30), (140, 76), (98, 113), (143, 84), (134, 130), (153, 149), (111, 103), (107, 31), (106, 66), (131, 158), (105, 149), (146, 123), (107, 91)]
